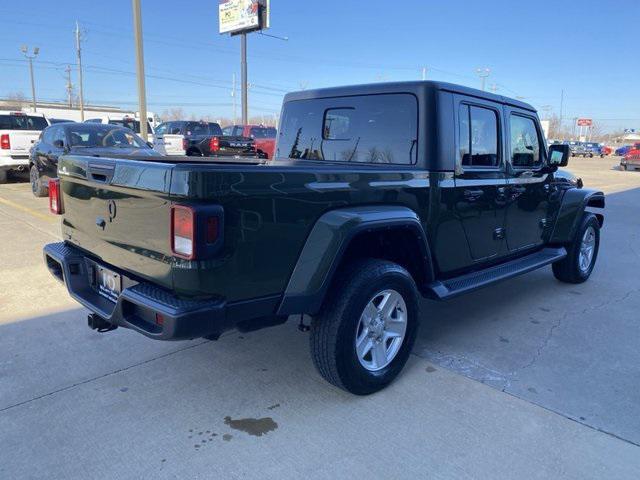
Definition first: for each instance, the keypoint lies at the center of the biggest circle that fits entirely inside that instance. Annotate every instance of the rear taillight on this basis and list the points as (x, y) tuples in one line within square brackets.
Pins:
[(183, 234), (185, 144), (214, 144), (5, 143), (55, 196), (196, 232)]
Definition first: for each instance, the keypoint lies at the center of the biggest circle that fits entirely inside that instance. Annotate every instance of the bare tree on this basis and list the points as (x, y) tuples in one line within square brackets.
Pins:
[(173, 114), (17, 100)]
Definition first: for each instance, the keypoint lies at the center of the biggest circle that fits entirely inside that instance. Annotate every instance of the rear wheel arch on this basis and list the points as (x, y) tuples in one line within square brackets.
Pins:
[(344, 236)]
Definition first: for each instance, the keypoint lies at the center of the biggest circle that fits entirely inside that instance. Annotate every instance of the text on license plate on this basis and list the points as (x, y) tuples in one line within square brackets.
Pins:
[(108, 283)]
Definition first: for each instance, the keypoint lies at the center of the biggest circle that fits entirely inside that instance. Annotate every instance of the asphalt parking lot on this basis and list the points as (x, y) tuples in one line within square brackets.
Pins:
[(527, 379)]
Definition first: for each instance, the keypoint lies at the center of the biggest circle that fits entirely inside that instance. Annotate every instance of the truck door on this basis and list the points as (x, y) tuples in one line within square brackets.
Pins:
[(480, 180), (528, 187)]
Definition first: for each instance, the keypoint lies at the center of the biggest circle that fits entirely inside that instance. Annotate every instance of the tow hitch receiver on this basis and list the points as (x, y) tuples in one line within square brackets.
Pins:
[(96, 322)]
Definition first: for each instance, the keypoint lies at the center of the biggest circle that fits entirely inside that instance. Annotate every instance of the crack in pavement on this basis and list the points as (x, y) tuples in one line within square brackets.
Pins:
[(108, 374), (584, 311)]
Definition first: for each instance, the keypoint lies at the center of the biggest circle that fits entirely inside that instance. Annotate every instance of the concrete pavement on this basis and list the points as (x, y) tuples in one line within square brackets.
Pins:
[(77, 404)]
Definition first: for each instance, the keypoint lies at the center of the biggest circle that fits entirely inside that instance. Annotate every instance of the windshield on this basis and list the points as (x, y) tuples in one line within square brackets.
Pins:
[(22, 122), (130, 124), (89, 136), (263, 132)]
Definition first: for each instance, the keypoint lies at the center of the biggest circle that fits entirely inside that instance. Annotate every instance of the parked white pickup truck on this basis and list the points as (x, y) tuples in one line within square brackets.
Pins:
[(127, 121), (18, 132)]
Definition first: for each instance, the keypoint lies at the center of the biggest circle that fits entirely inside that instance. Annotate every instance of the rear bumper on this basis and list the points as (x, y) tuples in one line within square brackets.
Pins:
[(14, 161), (148, 309)]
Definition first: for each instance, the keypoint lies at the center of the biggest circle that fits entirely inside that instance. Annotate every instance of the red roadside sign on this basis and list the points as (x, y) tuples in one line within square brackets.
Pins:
[(585, 122)]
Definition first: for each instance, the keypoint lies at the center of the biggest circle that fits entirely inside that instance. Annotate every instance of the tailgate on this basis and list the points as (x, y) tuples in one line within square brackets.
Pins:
[(22, 140), (236, 146), (169, 144), (119, 211)]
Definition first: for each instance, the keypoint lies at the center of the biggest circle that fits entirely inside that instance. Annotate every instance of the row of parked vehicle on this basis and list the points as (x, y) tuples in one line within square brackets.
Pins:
[(31, 142), (588, 149)]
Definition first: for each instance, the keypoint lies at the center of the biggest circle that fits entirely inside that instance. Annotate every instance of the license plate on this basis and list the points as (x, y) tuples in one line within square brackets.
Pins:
[(108, 283)]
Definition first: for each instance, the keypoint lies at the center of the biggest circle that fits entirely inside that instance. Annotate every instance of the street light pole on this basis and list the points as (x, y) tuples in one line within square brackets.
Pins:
[(25, 51), (243, 80), (483, 73), (142, 97), (79, 54)]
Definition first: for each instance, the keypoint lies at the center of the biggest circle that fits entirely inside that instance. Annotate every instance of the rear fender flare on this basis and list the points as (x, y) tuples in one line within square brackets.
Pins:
[(326, 244)]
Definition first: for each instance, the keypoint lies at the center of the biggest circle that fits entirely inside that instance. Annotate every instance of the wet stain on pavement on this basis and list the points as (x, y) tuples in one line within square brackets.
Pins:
[(544, 309), (430, 369), (504, 340), (256, 427), (574, 292), (273, 407), (532, 390), (124, 389), (227, 437), (535, 322)]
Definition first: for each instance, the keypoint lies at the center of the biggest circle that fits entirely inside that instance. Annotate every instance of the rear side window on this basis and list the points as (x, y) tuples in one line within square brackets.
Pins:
[(162, 129), (22, 122), (263, 132), (199, 129), (214, 129), (47, 135), (525, 142), (367, 129), (478, 137)]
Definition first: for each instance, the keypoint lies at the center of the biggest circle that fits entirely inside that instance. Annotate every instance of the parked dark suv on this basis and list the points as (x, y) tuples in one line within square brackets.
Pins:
[(86, 138)]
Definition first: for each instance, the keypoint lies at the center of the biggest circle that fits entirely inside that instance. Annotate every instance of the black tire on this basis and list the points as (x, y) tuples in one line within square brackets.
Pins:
[(37, 185), (568, 269), (334, 330), (194, 153), (623, 167), (3, 176)]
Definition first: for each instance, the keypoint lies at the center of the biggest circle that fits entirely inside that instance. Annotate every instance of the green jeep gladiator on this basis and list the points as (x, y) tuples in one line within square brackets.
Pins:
[(377, 194)]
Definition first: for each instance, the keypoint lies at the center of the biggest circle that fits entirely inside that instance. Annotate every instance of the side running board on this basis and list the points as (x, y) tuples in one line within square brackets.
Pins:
[(452, 287)]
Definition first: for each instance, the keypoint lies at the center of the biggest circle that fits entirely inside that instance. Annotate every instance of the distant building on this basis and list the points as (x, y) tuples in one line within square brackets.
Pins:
[(63, 111)]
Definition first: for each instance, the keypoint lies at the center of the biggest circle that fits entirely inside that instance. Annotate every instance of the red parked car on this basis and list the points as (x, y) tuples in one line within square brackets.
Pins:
[(264, 137)]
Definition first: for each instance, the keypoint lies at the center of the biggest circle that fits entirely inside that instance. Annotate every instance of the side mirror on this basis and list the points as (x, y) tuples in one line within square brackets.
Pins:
[(58, 143), (559, 155)]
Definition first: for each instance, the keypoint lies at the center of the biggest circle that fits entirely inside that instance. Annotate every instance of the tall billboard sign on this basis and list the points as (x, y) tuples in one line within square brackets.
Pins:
[(242, 16)]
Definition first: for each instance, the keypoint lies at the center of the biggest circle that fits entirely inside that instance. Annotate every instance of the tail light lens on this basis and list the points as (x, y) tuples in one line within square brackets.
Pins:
[(183, 234), (55, 196), (185, 144), (214, 144), (5, 143), (196, 231)]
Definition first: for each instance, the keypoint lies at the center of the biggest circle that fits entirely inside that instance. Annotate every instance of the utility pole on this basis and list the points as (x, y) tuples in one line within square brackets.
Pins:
[(561, 107), (493, 88), (243, 75), (79, 52), (235, 100), (483, 73), (142, 96), (25, 51), (69, 86)]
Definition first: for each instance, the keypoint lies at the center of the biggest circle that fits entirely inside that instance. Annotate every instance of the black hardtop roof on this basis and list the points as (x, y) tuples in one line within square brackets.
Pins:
[(416, 87)]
